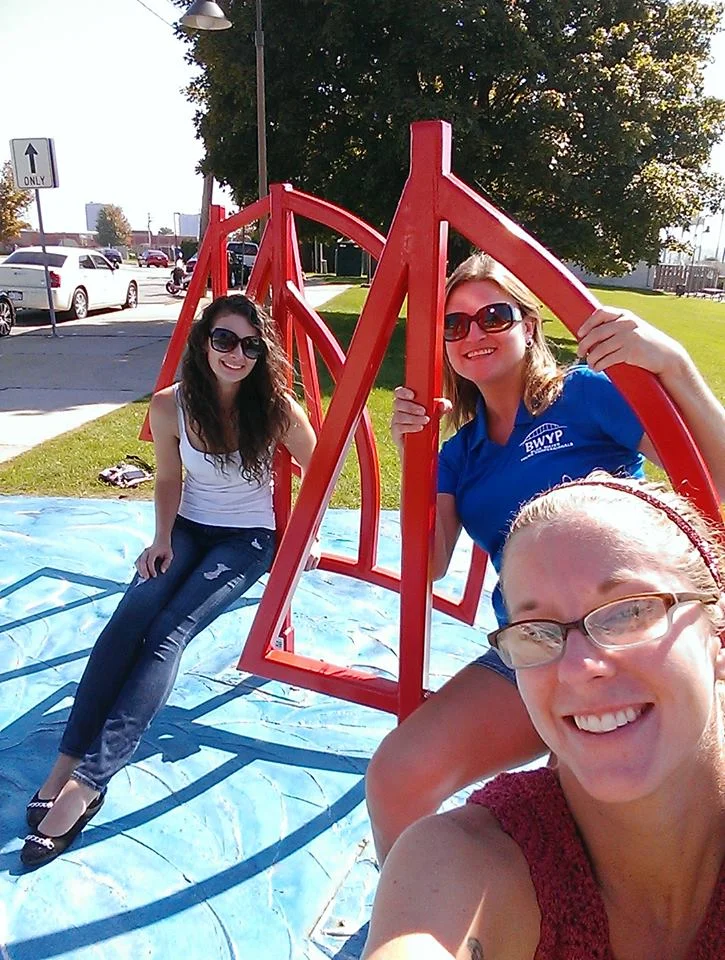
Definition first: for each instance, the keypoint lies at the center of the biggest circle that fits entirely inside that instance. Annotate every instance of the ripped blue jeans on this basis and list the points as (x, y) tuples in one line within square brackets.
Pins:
[(133, 665)]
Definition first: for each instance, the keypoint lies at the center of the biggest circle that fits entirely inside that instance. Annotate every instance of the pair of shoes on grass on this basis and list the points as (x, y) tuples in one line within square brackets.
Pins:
[(39, 848)]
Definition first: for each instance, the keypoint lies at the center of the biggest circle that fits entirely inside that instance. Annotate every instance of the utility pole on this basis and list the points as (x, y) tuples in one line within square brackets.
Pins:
[(206, 198)]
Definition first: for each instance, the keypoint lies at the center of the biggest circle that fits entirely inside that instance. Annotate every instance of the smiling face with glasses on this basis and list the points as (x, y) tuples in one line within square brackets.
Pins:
[(234, 347), (485, 331), (615, 652)]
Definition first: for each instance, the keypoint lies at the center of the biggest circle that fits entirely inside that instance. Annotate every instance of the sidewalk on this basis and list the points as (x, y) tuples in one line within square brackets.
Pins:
[(51, 385)]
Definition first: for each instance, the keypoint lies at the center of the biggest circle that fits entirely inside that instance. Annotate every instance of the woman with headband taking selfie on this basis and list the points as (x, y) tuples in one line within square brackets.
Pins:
[(214, 434), (523, 425), (616, 598)]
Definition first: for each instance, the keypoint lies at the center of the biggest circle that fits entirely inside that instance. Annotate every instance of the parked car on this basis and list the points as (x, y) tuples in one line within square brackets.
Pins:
[(80, 280), (113, 255), (8, 299), (153, 258)]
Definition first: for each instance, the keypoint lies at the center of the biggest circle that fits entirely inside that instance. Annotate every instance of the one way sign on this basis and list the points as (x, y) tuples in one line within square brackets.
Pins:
[(34, 163)]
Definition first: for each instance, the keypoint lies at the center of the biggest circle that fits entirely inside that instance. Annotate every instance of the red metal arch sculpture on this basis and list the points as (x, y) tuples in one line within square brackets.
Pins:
[(412, 260)]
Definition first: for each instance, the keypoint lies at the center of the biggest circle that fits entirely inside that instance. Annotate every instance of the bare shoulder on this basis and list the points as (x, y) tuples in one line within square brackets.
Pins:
[(297, 413), (163, 411), (494, 848), (165, 399), (459, 879)]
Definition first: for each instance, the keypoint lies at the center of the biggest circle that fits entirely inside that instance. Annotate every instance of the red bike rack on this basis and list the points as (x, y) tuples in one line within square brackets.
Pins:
[(411, 261)]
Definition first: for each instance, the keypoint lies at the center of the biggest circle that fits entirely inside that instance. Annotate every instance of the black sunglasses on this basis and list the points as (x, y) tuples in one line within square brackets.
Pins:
[(493, 318), (224, 341)]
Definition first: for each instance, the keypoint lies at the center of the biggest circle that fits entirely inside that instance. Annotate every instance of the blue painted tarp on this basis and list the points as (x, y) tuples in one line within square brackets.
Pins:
[(239, 829)]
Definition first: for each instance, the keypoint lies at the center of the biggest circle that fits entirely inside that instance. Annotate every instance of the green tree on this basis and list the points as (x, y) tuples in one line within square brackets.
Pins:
[(13, 204), (165, 232), (112, 226), (585, 121), (250, 232), (188, 248)]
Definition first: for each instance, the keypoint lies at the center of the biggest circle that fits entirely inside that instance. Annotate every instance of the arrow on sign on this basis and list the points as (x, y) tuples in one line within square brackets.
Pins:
[(31, 153)]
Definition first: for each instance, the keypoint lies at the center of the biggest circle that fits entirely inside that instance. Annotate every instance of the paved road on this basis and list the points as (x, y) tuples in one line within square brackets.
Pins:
[(50, 385)]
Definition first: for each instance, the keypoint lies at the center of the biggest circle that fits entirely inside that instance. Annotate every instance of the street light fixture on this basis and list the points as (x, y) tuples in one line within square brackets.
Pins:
[(205, 15)]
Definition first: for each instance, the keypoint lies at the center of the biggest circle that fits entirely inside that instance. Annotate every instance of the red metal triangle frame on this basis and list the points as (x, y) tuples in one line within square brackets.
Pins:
[(412, 260)]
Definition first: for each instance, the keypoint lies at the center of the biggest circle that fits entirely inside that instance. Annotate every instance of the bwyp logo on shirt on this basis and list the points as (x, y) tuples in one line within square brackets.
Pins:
[(544, 439)]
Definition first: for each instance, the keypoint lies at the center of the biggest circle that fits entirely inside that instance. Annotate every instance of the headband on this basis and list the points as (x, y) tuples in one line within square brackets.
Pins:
[(698, 542)]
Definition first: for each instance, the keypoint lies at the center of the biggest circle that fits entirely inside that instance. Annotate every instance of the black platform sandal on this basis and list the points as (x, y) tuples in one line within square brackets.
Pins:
[(36, 810), (39, 848)]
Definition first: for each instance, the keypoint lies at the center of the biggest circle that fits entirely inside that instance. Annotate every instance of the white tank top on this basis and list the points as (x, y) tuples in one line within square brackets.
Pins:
[(220, 498)]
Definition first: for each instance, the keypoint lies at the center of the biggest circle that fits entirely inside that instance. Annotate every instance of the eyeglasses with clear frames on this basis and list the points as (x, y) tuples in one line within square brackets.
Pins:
[(628, 622)]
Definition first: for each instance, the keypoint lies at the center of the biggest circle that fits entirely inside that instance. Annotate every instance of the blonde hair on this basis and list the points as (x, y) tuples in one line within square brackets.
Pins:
[(693, 548), (543, 377)]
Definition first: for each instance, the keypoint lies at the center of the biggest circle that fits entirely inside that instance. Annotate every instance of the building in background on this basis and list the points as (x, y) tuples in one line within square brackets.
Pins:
[(58, 238), (641, 278)]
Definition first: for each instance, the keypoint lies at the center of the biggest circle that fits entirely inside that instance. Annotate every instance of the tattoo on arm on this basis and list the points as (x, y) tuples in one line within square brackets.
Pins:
[(474, 948)]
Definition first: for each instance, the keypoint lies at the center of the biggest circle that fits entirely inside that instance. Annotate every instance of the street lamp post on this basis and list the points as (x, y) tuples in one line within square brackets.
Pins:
[(719, 236), (261, 110), (699, 229), (206, 15)]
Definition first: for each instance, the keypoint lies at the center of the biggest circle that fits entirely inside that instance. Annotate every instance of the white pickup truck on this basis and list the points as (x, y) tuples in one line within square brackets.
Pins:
[(241, 254), (80, 280), (240, 260)]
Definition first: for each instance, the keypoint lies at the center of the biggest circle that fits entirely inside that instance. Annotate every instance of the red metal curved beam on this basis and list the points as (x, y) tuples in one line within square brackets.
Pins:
[(333, 357), (321, 211)]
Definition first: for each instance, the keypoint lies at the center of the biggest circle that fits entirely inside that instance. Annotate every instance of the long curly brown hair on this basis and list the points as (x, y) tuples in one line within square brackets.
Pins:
[(543, 377), (261, 414)]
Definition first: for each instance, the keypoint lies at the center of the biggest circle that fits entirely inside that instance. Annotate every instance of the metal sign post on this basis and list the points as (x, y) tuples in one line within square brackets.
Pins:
[(51, 308), (34, 168)]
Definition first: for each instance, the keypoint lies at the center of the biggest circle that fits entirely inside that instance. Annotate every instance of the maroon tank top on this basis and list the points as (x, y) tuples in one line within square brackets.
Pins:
[(531, 808)]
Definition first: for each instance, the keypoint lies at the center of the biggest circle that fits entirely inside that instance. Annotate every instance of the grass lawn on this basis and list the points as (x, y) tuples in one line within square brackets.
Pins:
[(69, 465), (319, 279)]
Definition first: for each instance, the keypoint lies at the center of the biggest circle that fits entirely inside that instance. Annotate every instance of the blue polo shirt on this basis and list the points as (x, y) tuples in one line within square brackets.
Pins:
[(590, 426)]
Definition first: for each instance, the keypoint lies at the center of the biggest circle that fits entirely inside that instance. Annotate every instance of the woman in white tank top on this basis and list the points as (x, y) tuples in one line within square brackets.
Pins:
[(214, 433)]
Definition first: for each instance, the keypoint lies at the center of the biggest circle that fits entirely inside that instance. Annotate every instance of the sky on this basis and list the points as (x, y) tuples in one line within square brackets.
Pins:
[(104, 79)]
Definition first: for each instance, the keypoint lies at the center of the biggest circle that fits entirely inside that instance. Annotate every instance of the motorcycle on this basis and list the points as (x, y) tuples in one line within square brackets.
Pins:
[(176, 288)]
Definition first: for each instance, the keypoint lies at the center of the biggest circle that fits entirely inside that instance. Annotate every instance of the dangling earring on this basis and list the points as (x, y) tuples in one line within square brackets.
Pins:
[(528, 344)]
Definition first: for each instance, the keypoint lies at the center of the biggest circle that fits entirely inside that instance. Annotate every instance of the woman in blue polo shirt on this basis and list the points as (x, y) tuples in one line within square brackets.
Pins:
[(523, 425)]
